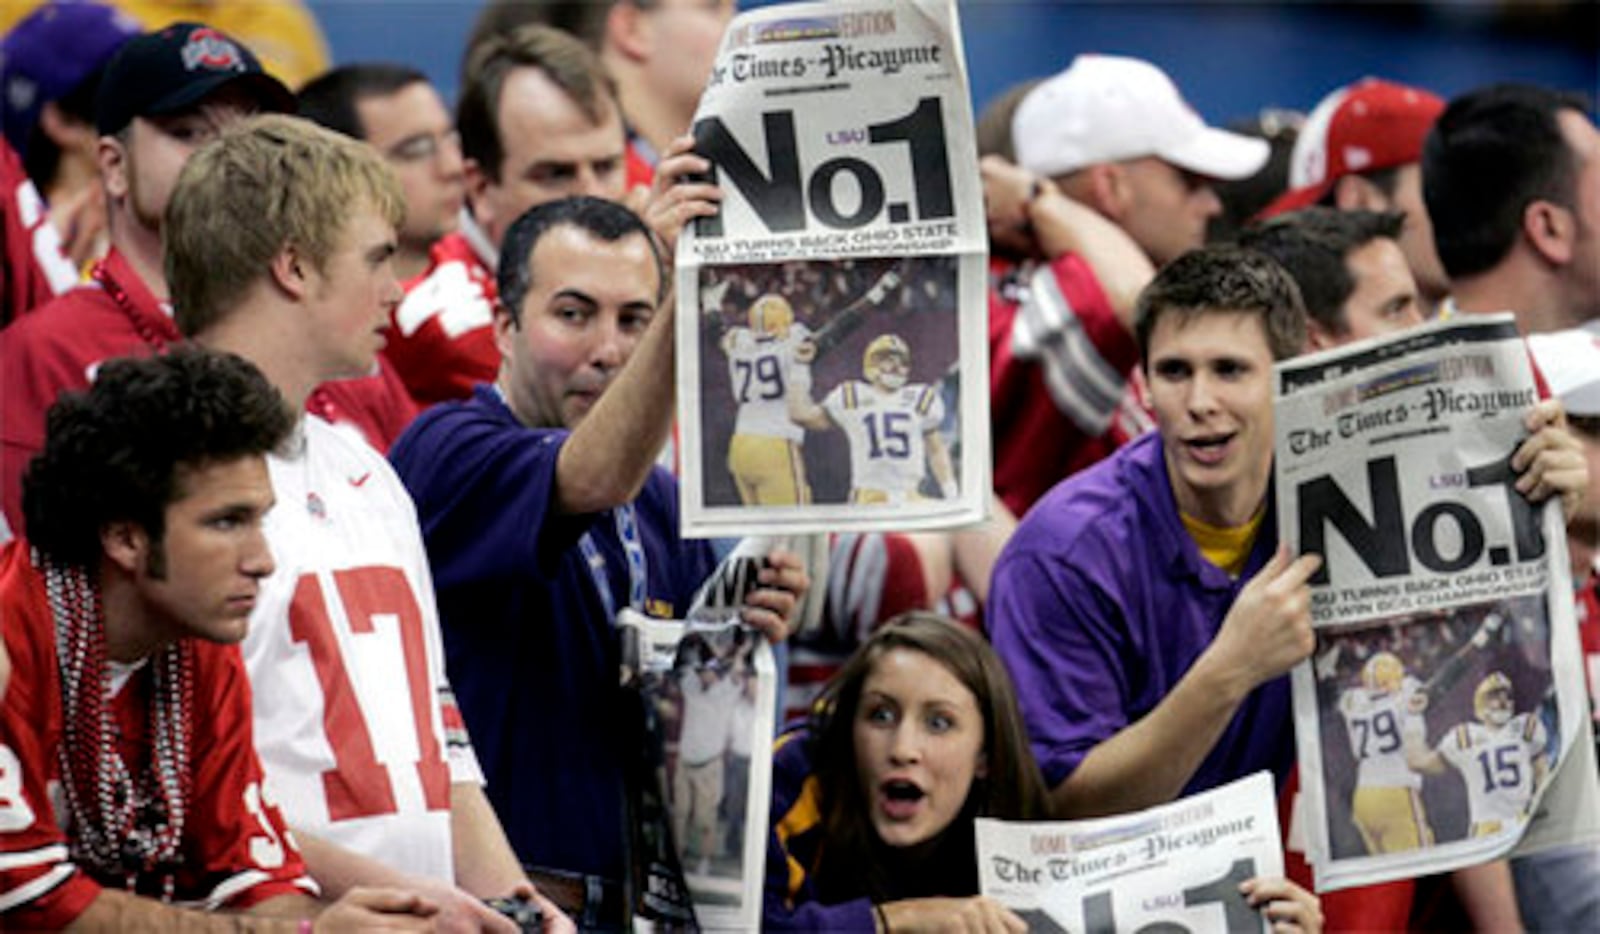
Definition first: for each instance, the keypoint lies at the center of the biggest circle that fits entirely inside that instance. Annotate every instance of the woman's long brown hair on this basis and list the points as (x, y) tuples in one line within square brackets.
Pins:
[(1012, 789)]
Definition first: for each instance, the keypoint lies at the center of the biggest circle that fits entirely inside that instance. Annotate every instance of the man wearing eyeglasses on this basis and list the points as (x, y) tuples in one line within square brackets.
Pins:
[(396, 110), (539, 121)]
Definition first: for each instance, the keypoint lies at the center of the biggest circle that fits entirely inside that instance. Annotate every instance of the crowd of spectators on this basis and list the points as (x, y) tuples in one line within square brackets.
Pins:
[(337, 425)]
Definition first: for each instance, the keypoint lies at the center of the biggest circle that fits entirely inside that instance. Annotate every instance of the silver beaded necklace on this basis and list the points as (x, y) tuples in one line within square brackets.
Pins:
[(121, 826)]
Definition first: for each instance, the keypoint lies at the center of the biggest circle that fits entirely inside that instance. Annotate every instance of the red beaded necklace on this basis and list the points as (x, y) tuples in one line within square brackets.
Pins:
[(157, 332)]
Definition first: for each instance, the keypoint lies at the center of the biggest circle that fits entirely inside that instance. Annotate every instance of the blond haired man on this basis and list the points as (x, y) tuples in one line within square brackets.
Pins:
[(356, 725)]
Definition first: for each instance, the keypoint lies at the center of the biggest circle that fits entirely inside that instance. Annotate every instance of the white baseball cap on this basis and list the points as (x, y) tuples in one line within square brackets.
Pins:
[(1107, 108)]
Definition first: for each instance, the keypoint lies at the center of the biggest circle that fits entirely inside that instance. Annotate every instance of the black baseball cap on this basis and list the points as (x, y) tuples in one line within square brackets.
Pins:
[(173, 69)]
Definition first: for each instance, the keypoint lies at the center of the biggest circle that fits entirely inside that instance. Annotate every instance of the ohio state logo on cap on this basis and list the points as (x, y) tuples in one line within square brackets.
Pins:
[(207, 48)]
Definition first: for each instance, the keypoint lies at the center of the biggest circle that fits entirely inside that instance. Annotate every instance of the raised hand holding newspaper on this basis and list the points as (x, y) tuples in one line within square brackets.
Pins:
[(1177, 867), (1444, 691), (831, 357)]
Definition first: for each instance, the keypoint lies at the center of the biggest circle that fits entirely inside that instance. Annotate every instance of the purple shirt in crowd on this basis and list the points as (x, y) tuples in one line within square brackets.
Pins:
[(1101, 602)]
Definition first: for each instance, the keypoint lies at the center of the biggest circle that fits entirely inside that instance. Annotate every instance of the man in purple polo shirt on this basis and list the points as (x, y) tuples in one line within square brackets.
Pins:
[(1144, 607), (1146, 623)]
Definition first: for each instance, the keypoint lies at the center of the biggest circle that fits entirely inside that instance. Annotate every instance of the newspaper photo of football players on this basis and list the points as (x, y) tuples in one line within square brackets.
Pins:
[(837, 382), (1436, 727), (707, 706), (705, 692)]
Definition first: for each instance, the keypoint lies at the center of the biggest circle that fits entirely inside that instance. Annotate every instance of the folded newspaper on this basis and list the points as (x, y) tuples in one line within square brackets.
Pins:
[(699, 789), (1444, 692), (1176, 867), (832, 365)]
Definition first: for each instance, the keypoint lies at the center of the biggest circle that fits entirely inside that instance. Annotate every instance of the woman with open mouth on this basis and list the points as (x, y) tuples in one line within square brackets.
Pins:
[(873, 800)]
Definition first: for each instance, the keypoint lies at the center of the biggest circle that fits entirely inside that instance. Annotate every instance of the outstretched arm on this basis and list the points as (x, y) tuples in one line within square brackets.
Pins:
[(608, 458), (803, 410), (1148, 762), (1419, 758), (1452, 668)]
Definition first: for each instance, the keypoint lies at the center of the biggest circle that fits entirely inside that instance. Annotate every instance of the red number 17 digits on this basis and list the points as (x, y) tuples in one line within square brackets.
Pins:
[(359, 785)]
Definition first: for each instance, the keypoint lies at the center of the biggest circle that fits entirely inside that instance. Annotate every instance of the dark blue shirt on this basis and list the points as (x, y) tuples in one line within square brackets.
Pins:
[(529, 646)]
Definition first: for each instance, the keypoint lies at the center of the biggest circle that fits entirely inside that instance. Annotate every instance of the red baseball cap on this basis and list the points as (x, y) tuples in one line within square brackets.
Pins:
[(1372, 124)]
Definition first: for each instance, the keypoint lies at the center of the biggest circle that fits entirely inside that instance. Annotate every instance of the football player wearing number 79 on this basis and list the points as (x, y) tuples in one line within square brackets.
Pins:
[(127, 776), (765, 362), (280, 237), (1386, 805)]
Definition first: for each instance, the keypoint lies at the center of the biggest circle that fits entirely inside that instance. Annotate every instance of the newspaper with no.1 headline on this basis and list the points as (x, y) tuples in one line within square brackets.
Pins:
[(1176, 867), (1438, 714), (832, 369)]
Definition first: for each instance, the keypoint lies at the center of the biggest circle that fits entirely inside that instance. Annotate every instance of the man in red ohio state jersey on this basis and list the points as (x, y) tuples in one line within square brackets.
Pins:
[(128, 781), (538, 121), (164, 95)]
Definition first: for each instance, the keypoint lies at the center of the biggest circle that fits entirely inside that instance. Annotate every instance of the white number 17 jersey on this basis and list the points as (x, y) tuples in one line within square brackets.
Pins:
[(355, 724)]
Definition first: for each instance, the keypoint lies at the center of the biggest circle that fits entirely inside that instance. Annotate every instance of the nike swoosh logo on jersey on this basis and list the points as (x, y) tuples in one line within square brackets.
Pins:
[(361, 480)]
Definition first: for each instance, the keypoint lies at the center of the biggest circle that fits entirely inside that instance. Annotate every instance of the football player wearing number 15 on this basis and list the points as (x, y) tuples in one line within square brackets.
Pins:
[(1501, 757), (764, 452), (356, 726), (892, 424)]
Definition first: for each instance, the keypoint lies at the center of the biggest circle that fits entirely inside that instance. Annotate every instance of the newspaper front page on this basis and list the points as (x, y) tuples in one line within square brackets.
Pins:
[(1444, 690), (708, 692), (832, 370), (1175, 868)]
